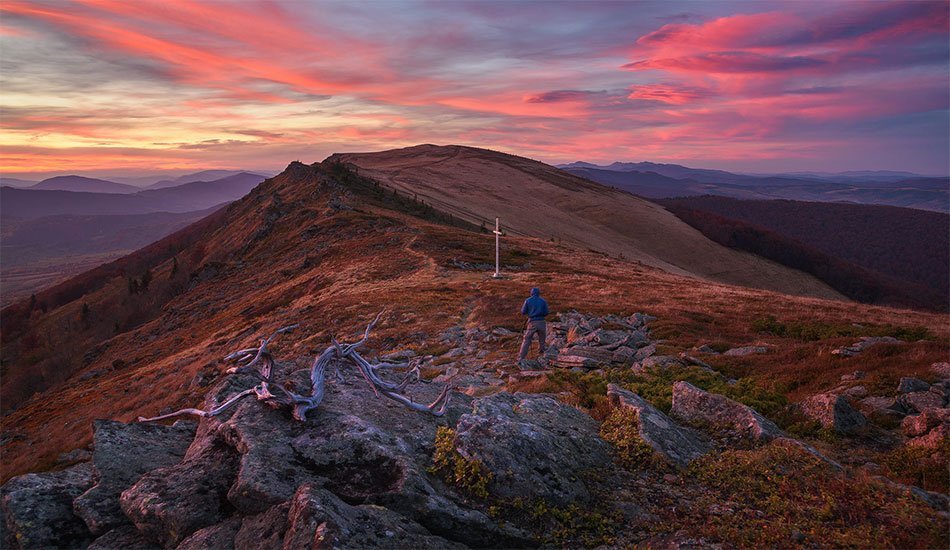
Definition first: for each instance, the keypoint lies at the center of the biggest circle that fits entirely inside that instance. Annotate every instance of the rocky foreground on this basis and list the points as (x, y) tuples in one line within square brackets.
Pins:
[(499, 469)]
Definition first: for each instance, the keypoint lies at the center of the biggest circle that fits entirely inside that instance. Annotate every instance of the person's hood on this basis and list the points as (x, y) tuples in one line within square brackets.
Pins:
[(535, 291)]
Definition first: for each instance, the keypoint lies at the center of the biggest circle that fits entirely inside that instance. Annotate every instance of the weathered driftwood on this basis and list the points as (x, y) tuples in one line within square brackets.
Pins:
[(259, 363)]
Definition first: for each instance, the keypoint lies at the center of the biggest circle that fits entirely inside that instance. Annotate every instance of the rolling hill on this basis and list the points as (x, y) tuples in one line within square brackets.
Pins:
[(204, 175), (537, 200), (83, 184)]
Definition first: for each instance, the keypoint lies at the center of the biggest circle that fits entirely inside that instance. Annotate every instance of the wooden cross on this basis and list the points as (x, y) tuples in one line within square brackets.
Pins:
[(497, 233)]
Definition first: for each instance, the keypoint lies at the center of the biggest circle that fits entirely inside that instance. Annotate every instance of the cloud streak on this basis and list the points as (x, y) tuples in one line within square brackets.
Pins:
[(192, 84)]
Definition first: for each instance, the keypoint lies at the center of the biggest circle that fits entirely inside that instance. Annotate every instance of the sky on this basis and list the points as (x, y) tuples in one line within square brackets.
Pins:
[(131, 86)]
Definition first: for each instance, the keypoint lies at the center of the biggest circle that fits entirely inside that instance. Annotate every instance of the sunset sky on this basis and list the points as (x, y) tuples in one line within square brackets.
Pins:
[(109, 87)]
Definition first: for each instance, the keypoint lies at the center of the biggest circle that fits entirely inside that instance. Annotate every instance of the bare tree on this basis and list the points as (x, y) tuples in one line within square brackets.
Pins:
[(260, 363)]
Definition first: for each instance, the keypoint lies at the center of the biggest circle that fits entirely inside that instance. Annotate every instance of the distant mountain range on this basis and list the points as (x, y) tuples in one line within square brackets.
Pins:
[(659, 181), (35, 202), (120, 184), (62, 225)]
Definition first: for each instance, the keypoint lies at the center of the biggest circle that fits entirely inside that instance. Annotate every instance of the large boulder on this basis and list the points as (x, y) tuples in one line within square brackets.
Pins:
[(318, 518), (679, 445), (38, 509), (833, 412), (694, 405), (122, 454), (168, 504), (536, 447)]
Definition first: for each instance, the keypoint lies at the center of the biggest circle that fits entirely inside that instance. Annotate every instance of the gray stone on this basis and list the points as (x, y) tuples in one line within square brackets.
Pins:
[(908, 385), (871, 405), (38, 509), (833, 412), (709, 409), (122, 454), (921, 400), (215, 537), (640, 319), (746, 350), (856, 392), (535, 446), (264, 530), (122, 538), (644, 352), (169, 504), (658, 362), (676, 443), (863, 344), (318, 518)]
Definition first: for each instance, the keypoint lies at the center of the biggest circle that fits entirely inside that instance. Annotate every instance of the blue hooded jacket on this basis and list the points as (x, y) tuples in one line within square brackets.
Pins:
[(535, 307)]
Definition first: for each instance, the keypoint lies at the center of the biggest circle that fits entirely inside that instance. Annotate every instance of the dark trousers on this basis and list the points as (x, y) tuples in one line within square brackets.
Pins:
[(535, 328)]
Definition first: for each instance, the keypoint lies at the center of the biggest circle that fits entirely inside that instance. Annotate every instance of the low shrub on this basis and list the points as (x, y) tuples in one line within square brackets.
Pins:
[(780, 496), (471, 476)]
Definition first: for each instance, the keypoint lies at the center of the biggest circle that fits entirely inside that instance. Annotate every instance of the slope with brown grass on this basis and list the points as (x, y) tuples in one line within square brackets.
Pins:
[(315, 247), (537, 200)]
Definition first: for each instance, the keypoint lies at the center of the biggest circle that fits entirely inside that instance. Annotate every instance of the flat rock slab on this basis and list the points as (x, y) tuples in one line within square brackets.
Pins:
[(697, 406), (535, 446), (38, 509), (124, 453), (833, 412), (677, 444)]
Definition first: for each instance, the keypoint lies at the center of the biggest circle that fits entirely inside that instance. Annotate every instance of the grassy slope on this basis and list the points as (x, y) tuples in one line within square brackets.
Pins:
[(354, 263), (534, 199)]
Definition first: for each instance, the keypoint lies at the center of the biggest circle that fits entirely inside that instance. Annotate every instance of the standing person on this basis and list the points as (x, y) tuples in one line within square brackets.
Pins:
[(536, 308)]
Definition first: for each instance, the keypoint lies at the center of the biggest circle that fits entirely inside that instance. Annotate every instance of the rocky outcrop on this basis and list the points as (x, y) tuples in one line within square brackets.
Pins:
[(577, 341), (122, 454), (38, 509), (677, 444), (696, 406), (833, 412), (534, 445)]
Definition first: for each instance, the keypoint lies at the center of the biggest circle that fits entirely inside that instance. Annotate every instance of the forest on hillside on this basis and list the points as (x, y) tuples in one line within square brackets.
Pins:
[(873, 254)]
